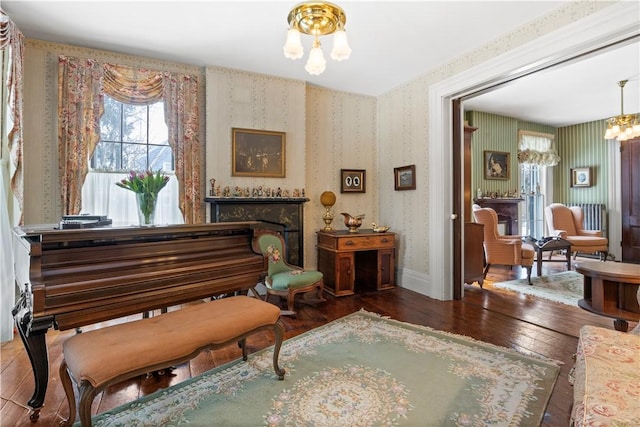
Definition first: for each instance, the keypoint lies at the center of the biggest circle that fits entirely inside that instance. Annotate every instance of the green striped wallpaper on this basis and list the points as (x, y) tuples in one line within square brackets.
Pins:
[(582, 145), (578, 146)]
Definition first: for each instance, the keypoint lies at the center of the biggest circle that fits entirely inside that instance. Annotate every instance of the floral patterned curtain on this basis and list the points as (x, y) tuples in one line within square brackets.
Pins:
[(132, 86), (11, 38), (537, 149), (182, 117), (138, 86), (80, 106)]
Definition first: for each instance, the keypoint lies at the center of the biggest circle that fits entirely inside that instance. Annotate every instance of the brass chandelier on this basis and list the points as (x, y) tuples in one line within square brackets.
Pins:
[(317, 19), (624, 126)]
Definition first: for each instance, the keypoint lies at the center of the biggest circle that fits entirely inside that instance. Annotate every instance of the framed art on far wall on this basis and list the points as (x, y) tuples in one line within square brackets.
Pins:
[(496, 165), (257, 153), (352, 180), (581, 177), (405, 178)]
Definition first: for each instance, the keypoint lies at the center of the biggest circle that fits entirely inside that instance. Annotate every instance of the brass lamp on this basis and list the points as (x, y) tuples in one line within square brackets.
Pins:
[(328, 199)]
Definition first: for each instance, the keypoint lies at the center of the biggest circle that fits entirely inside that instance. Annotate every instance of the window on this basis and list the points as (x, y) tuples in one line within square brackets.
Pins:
[(132, 137), (535, 154)]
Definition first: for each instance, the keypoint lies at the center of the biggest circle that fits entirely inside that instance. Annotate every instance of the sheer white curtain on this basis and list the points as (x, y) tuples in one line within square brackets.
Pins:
[(7, 276), (537, 148), (101, 196)]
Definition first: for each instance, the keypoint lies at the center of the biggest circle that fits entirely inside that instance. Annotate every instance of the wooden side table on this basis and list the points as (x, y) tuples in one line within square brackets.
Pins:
[(611, 289), (365, 258), (547, 244)]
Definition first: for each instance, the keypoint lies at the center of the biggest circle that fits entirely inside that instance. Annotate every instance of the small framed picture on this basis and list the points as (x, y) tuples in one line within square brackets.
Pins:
[(405, 177), (581, 177), (496, 165), (352, 180), (257, 153)]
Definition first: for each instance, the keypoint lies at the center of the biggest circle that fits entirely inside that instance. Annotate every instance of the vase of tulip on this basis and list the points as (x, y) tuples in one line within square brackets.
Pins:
[(146, 185)]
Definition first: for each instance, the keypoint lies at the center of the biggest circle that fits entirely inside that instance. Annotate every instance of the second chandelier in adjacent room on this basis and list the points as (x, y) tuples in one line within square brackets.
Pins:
[(317, 19)]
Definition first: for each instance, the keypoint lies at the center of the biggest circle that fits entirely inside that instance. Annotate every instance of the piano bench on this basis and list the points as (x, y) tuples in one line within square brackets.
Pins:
[(99, 358)]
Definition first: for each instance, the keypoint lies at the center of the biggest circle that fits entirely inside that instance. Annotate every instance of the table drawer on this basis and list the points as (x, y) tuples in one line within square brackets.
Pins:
[(366, 242)]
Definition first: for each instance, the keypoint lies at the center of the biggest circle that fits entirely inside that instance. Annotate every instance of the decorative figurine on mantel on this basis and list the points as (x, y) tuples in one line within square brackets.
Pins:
[(212, 192)]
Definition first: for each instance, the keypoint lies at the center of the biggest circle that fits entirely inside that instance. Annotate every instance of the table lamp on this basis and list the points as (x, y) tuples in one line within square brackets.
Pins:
[(328, 199)]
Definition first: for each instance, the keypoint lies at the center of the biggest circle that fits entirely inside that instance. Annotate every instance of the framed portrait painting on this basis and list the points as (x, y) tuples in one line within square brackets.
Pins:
[(257, 153), (352, 180), (496, 165), (405, 177), (581, 177)]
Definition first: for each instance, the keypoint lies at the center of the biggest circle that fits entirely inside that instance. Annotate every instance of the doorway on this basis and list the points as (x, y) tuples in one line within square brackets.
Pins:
[(570, 43)]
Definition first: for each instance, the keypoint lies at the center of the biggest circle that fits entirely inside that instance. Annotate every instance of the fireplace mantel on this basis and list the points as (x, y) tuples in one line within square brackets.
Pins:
[(286, 213), (506, 209)]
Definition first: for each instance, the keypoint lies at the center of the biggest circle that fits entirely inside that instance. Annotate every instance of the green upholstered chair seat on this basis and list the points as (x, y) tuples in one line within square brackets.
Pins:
[(293, 279)]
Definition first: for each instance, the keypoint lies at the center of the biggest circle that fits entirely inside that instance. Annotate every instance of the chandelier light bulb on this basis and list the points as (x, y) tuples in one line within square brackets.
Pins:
[(293, 47), (316, 63), (341, 49), (609, 133)]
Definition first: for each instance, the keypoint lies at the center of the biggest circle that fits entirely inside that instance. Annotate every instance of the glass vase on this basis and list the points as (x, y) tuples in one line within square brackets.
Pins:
[(146, 208)]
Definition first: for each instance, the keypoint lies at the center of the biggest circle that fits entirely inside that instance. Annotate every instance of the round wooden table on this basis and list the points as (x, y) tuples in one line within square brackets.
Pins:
[(611, 289)]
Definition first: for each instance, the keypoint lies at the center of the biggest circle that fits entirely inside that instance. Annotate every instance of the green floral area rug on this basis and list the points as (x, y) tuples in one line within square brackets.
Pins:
[(360, 370), (565, 287)]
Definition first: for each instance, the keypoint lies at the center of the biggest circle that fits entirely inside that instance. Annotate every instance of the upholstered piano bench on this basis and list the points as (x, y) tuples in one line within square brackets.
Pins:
[(99, 358)]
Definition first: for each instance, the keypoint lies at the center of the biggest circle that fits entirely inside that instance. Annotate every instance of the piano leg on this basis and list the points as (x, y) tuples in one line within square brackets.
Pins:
[(34, 340)]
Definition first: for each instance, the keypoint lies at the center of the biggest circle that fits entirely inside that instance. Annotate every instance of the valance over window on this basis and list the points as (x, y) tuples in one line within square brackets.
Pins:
[(537, 149), (81, 85)]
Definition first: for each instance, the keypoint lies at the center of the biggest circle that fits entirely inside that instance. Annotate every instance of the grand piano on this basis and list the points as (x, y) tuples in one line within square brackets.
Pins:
[(76, 277)]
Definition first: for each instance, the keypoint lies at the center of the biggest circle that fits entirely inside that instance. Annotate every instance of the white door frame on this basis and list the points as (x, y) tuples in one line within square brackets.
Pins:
[(612, 24)]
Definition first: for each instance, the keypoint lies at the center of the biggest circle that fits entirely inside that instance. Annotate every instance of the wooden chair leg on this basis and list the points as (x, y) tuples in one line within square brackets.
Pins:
[(485, 271), (67, 385)]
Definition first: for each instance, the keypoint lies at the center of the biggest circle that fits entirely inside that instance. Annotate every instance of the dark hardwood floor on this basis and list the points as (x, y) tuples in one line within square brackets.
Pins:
[(529, 325)]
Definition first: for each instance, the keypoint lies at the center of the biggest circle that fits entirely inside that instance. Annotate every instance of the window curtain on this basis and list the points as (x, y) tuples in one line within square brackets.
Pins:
[(80, 106), (537, 149), (11, 39), (11, 171), (182, 117), (101, 194), (139, 86)]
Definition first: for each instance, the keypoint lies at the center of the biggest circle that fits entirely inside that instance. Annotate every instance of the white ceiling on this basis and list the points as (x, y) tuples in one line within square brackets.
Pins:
[(392, 42)]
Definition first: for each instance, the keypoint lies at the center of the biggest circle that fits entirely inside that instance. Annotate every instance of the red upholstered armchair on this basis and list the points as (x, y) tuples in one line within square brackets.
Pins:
[(566, 222)]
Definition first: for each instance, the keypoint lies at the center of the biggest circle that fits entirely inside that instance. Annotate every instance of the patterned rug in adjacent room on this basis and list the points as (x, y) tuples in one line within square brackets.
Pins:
[(361, 370), (565, 287)]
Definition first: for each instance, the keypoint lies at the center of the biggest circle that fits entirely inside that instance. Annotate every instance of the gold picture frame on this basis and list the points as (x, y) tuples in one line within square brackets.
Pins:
[(258, 153), (405, 178), (497, 165), (581, 177)]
